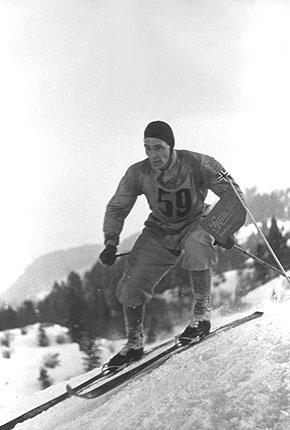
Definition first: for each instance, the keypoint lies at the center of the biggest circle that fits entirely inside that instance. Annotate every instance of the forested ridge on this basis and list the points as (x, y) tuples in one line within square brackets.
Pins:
[(86, 304)]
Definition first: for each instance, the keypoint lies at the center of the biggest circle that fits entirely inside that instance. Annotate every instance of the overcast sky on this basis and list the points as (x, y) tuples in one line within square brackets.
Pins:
[(80, 80)]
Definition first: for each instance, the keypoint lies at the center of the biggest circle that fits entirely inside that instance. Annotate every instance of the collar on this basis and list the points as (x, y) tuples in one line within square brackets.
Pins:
[(170, 166), (170, 170), (172, 162)]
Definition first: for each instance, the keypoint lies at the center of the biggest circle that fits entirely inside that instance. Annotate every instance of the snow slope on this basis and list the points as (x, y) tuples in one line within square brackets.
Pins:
[(20, 387), (19, 374), (237, 380)]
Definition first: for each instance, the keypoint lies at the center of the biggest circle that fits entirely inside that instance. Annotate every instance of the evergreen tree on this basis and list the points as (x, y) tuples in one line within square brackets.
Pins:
[(261, 271), (92, 351), (274, 296), (6, 339), (76, 307), (100, 295), (42, 336), (55, 304), (275, 237), (8, 318), (27, 313), (44, 379), (278, 243)]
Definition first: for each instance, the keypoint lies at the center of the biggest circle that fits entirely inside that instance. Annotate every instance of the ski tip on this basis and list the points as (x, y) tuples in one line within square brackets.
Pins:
[(258, 313), (69, 390)]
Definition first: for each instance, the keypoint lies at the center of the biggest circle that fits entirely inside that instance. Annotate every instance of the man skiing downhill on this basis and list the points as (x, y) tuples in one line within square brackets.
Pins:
[(175, 184)]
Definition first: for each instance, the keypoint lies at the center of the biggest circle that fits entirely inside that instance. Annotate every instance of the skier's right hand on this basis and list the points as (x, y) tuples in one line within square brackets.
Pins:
[(228, 244), (108, 255)]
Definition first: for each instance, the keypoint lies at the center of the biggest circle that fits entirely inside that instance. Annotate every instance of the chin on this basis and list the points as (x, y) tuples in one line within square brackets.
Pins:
[(159, 165), (156, 166)]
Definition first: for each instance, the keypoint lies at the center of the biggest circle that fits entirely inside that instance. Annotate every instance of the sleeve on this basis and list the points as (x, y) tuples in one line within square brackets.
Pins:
[(120, 206), (210, 171)]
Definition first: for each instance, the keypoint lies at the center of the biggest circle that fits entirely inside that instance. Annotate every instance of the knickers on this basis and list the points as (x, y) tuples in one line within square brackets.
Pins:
[(153, 255)]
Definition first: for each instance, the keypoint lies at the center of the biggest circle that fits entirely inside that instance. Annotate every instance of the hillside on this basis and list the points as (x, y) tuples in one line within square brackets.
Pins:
[(41, 274), (239, 380)]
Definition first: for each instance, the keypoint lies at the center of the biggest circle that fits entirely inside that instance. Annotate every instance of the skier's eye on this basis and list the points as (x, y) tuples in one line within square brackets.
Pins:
[(146, 149)]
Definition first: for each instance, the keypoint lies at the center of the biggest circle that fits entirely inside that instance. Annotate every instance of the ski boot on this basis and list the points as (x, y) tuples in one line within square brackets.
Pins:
[(134, 348), (199, 325), (199, 331), (127, 355)]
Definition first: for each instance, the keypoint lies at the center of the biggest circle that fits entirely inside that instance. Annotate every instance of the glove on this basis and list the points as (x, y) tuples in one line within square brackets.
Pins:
[(228, 244), (108, 255)]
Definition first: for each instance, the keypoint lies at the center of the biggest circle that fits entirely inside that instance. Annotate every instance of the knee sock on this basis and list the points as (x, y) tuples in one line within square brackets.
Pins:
[(134, 322), (201, 283)]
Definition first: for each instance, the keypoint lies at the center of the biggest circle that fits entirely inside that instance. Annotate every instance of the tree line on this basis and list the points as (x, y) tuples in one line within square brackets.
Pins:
[(88, 307), (264, 206)]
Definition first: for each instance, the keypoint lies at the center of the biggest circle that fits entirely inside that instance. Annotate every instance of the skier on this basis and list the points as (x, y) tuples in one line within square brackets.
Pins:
[(175, 183)]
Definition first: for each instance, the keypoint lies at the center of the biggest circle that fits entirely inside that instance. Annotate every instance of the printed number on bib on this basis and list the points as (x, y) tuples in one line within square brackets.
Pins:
[(175, 202)]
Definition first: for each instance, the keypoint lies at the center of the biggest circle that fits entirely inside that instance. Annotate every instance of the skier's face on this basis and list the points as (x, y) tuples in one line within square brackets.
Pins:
[(157, 151)]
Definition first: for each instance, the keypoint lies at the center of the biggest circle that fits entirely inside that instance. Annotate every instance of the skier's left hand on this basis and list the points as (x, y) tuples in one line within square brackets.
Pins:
[(228, 244)]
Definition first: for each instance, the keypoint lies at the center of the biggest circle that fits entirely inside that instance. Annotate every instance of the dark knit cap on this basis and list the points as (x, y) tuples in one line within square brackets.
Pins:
[(160, 130)]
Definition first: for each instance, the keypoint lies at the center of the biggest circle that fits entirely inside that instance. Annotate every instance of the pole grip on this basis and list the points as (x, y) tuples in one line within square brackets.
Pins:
[(123, 254)]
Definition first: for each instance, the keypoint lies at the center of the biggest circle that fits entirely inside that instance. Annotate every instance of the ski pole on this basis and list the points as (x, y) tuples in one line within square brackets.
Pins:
[(242, 251), (225, 175), (248, 254), (122, 254)]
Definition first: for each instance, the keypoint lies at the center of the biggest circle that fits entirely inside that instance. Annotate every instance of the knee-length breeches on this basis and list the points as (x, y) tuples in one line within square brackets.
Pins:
[(153, 255)]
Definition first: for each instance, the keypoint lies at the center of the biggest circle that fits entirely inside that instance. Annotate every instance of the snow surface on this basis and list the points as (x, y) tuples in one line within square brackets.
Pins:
[(239, 379), (19, 374), (20, 388)]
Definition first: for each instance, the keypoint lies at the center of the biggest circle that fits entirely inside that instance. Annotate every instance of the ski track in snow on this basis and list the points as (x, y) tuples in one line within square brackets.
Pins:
[(238, 380)]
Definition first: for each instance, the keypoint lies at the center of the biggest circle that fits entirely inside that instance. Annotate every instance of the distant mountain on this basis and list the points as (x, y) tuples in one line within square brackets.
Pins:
[(40, 275)]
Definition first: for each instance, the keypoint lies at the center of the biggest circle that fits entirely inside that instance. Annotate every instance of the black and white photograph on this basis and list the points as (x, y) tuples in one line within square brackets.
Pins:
[(145, 216)]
